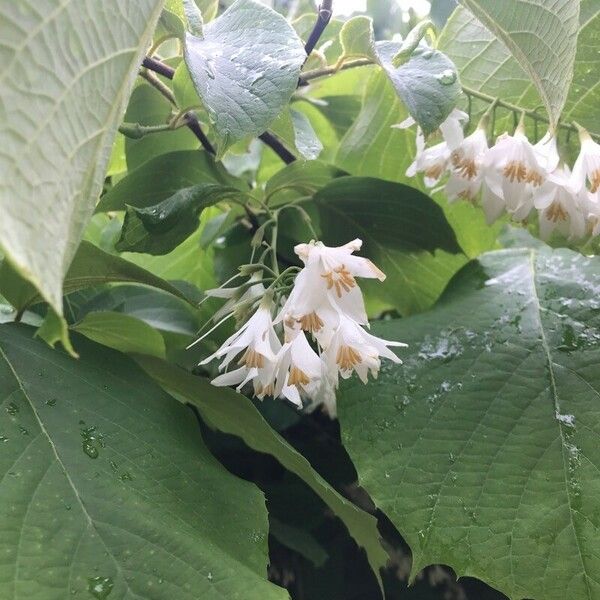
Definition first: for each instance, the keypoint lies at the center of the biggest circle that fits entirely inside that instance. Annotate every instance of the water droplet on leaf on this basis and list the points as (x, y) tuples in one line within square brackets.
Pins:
[(100, 587)]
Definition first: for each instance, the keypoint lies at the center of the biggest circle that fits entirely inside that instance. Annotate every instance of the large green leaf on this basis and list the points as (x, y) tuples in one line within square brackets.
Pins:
[(161, 177), (108, 490), (542, 37), (90, 267), (233, 413), (401, 228), (245, 68), (483, 448), (486, 65), (66, 72)]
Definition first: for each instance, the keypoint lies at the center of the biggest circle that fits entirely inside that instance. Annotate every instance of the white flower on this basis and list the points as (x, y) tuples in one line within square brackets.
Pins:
[(492, 204), (559, 206), (432, 162), (299, 370), (512, 171), (546, 151), (326, 287), (258, 345), (591, 208), (353, 349), (466, 173), (587, 165), (452, 128)]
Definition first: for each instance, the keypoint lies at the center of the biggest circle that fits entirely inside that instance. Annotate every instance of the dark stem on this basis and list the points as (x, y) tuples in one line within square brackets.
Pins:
[(158, 67), (284, 154), (192, 121), (323, 18)]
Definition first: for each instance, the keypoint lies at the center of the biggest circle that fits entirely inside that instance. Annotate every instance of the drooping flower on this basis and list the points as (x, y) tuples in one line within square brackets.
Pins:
[(546, 151), (559, 206), (433, 162), (586, 170), (466, 172), (353, 349), (512, 171), (299, 370), (326, 287), (258, 345)]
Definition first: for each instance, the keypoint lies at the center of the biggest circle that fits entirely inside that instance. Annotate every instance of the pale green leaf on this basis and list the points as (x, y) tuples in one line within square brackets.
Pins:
[(108, 490), (66, 72), (358, 39), (121, 332), (483, 447), (542, 37), (245, 69), (296, 131)]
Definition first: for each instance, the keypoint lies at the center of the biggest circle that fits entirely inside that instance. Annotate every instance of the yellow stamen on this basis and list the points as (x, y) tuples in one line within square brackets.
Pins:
[(342, 283), (465, 167), (311, 322), (595, 181), (298, 377), (534, 177), (435, 171), (555, 212), (515, 169), (252, 358), (347, 358)]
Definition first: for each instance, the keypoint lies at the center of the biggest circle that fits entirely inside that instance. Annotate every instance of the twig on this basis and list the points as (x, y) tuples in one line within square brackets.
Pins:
[(137, 131), (284, 154), (192, 120), (333, 69), (323, 18)]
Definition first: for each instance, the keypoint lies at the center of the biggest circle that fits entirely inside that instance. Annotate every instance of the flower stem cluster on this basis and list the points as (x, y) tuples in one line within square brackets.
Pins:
[(297, 347), (515, 176)]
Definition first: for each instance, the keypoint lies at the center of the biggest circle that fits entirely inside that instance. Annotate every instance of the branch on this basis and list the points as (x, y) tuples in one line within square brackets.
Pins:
[(323, 18), (284, 154), (191, 120)]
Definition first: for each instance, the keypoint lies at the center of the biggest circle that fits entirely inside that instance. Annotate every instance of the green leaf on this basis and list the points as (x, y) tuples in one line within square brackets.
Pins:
[(54, 330), (208, 8), (161, 177), (121, 332), (483, 447), (90, 267), (401, 228), (233, 413), (193, 17), (161, 228), (148, 107), (245, 69), (427, 83), (296, 132), (486, 65), (108, 490), (542, 37), (57, 160), (358, 39)]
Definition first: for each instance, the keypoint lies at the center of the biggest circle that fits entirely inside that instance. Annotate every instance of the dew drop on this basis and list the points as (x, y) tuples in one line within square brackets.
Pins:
[(209, 576), (90, 449), (51, 402), (100, 587), (447, 77), (126, 476), (23, 430), (12, 409), (3, 439)]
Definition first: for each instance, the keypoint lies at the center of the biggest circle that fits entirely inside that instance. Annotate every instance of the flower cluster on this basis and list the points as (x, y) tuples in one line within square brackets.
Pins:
[(515, 176), (323, 323)]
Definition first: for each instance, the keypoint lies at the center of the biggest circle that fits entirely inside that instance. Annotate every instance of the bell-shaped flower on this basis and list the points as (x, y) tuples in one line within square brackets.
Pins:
[(586, 170), (451, 129), (466, 171), (326, 287), (353, 349), (512, 171), (433, 162), (591, 209), (299, 370), (559, 206), (546, 151), (258, 345)]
